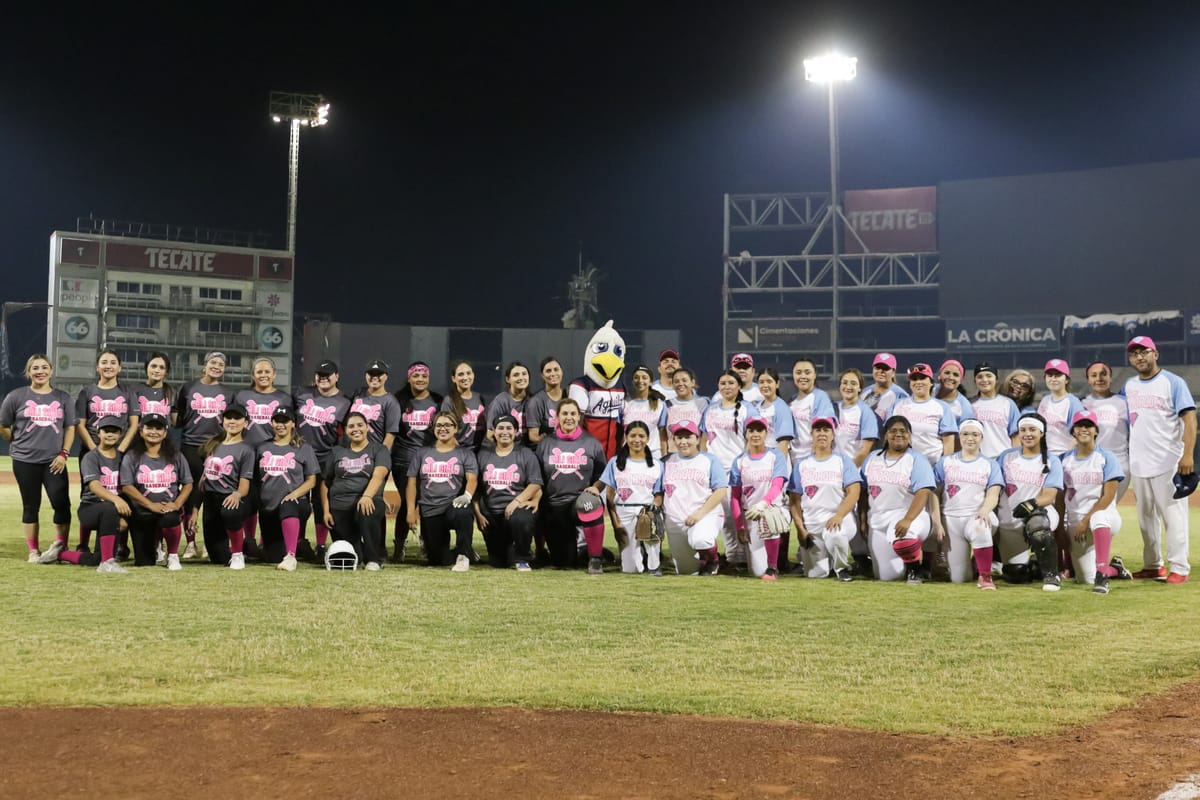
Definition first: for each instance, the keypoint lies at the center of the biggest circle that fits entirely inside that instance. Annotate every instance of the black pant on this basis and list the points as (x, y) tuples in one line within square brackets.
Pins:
[(400, 478), (195, 462), (144, 527), (218, 521), (435, 531), (559, 523), (31, 478), (361, 530), (508, 540), (101, 517), (272, 531)]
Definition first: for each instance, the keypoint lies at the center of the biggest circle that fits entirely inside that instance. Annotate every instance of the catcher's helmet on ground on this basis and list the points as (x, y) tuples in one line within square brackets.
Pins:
[(589, 507), (341, 555), (908, 549)]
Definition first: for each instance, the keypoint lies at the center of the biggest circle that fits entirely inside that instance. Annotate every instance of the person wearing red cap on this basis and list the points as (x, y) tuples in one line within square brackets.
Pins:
[(1162, 437), (1090, 477), (694, 490), (742, 365), (883, 394), (668, 362)]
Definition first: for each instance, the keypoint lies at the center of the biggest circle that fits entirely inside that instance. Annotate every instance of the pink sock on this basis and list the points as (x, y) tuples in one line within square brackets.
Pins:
[(594, 536), (291, 534), (983, 560), (172, 536), (772, 546), (70, 556), (187, 525), (33, 543), (236, 537), (1103, 538), (322, 534), (249, 526), (108, 545), (85, 537)]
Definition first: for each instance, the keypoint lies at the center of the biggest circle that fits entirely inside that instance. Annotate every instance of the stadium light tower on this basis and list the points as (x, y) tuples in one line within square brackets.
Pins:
[(300, 110), (832, 69)]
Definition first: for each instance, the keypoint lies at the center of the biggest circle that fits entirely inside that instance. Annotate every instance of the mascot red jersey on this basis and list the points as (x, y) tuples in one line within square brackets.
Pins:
[(599, 392)]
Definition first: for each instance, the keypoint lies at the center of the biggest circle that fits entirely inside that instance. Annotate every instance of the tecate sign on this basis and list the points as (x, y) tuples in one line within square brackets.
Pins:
[(1012, 333)]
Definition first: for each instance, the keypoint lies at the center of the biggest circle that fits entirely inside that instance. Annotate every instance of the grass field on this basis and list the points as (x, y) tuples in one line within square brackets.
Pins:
[(938, 658)]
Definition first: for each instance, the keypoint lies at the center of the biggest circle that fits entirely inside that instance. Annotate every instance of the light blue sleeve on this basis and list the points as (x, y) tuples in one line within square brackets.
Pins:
[(996, 478), (716, 473), (850, 474), (901, 394), (922, 473), (662, 417), (609, 478), (735, 471), (862, 472), (1014, 416), (948, 424), (704, 420), (658, 486), (1076, 405), (822, 405), (781, 466), (1055, 479), (1181, 398), (1112, 467), (968, 411), (785, 426), (869, 424), (939, 471), (793, 484)]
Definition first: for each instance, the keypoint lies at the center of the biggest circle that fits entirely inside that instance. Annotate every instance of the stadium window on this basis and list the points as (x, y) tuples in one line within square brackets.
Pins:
[(208, 293), (231, 294), (144, 321)]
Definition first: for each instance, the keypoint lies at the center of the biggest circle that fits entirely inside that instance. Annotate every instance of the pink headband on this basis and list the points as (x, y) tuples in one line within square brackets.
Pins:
[(415, 368), (950, 362)]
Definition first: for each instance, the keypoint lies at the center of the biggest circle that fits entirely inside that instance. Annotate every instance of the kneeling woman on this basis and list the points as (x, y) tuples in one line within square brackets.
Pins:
[(1091, 475), (228, 470), (694, 486), (287, 473), (1032, 478), (157, 479), (506, 507), (441, 483), (970, 484), (572, 463), (634, 481), (825, 488), (899, 483), (100, 507), (757, 479), (352, 491)]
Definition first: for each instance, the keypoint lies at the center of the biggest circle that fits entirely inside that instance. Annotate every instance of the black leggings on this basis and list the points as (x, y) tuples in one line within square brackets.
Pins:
[(144, 527), (508, 540), (361, 530), (400, 478), (31, 478), (435, 531), (218, 521), (559, 524), (101, 517)]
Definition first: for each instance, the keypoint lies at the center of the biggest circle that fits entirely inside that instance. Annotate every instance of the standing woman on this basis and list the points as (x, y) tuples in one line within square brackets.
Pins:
[(781, 428), (320, 410), (157, 481), (197, 414), (899, 483), (261, 401), (225, 485), (694, 488), (647, 405), (417, 407), (687, 406), (572, 462), (810, 402), (932, 422), (1019, 388), (467, 406), (39, 421), (969, 483), (378, 406), (541, 409), (858, 427), (506, 507), (634, 481), (105, 398), (757, 481), (996, 412), (1032, 480), (440, 485), (950, 378), (1112, 415), (1090, 477), (724, 436), (1058, 407), (511, 402), (883, 393), (287, 472), (352, 491), (824, 495), (154, 395)]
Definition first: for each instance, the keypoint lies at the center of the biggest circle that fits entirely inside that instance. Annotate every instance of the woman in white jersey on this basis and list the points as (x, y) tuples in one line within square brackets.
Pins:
[(1090, 477), (1112, 415), (780, 427), (996, 412), (899, 483), (634, 481), (1031, 474), (858, 427), (687, 406), (723, 426), (694, 489), (1058, 408), (824, 491), (949, 391), (757, 480), (646, 405), (969, 484), (1019, 388), (933, 425)]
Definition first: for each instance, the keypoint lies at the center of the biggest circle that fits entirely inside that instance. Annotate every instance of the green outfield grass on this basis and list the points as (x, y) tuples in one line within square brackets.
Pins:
[(937, 658)]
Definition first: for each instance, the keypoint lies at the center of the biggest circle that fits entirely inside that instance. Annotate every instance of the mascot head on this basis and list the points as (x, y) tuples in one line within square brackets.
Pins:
[(604, 360)]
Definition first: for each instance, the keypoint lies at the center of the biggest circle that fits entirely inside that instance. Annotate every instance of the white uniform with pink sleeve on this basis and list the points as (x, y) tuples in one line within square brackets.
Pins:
[(1084, 480), (964, 484), (821, 485), (755, 475), (724, 430), (688, 483), (892, 483)]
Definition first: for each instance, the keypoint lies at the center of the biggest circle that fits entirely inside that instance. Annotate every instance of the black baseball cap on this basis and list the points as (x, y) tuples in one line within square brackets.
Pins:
[(110, 422), (326, 368), (379, 365), (284, 413), (154, 421), (986, 366), (234, 410)]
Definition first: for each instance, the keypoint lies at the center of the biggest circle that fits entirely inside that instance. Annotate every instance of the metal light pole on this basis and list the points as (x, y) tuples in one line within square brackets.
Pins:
[(307, 110), (830, 69)]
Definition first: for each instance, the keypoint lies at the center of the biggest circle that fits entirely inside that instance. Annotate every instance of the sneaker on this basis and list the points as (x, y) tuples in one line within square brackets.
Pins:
[(1151, 572), (710, 567), (843, 575), (320, 553), (461, 564), (656, 573), (473, 556), (523, 566), (173, 563), (1051, 582), (771, 575), (111, 567), (595, 566), (1175, 577), (305, 552), (986, 583), (252, 549), (50, 555), (914, 577), (34, 556), (372, 566), (997, 569), (122, 554), (288, 564), (1119, 565), (1101, 585), (160, 555), (237, 561), (189, 552)]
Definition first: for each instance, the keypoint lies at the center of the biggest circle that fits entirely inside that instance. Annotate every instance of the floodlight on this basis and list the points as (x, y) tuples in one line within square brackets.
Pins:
[(830, 67)]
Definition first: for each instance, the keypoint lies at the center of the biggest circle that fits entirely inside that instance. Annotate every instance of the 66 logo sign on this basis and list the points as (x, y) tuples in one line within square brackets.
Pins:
[(78, 328), (271, 337)]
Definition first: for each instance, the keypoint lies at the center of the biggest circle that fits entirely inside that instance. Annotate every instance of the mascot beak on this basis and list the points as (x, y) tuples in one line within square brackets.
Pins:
[(608, 366)]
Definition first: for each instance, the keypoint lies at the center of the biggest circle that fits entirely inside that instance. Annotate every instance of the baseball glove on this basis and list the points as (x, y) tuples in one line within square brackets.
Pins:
[(1025, 509), (650, 525), (774, 520)]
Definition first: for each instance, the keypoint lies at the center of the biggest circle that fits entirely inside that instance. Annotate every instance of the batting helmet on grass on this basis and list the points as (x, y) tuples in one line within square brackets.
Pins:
[(909, 549)]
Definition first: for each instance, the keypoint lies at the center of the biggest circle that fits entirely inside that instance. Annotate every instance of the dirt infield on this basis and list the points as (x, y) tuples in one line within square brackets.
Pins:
[(289, 752)]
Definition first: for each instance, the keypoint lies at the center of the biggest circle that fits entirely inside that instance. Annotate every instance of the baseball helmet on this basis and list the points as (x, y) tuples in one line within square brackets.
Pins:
[(341, 556), (589, 507), (909, 549)]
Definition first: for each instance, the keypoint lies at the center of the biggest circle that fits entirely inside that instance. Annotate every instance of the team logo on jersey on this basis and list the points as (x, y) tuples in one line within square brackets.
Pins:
[(440, 471), (1070, 494), (668, 489), (952, 489), (1010, 489), (208, 407), (260, 413), (568, 462), (418, 419), (215, 467), (501, 478), (111, 407), (811, 491), (148, 406), (316, 416), (874, 491), (110, 479), (276, 466), (156, 480), (44, 416), (1132, 417), (370, 411), (624, 493), (354, 466)]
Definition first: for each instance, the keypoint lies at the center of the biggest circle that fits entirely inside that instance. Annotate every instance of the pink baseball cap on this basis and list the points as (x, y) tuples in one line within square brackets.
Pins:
[(1058, 365), (687, 426), (887, 359), (827, 421), (1085, 416), (1141, 342), (756, 419), (923, 370), (742, 358)]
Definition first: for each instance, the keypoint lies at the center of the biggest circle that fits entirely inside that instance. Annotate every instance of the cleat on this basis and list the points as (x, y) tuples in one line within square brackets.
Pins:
[(288, 564), (1051, 583), (997, 569), (461, 564), (595, 566), (122, 553), (1119, 565), (523, 566), (160, 555), (710, 567), (1151, 572), (372, 566), (656, 573), (1101, 585), (51, 553), (1175, 577), (252, 549), (237, 561), (914, 577), (189, 552), (320, 553), (34, 557), (843, 575), (111, 567), (771, 574), (305, 552), (173, 562), (986, 583)]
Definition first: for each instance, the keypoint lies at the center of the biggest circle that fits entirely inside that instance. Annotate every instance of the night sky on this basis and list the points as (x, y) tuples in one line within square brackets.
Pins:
[(469, 153)]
